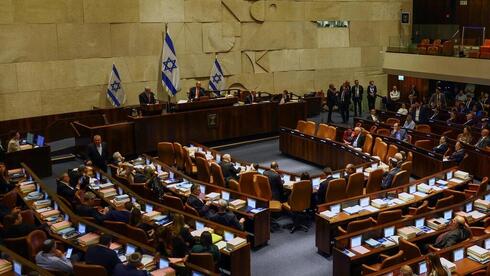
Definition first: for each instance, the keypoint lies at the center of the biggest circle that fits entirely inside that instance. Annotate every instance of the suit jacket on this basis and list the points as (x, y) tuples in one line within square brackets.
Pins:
[(144, 99), (400, 134), (322, 190), (347, 96), (452, 237), (192, 92), (228, 219), (372, 91), (128, 270), (370, 118), (388, 178), (353, 92), (117, 215), (229, 171), (360, 141), (433, 100), (275, 182), (423, 115), (249, 99), (87, 211), (483, 142), (457, 156), (101, 255), (198, 204), (441, 149), (331, 98), (97, 159), (64, 190)]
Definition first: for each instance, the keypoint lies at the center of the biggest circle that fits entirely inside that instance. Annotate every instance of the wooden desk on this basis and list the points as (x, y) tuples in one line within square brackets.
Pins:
[(27, 265), (313, 105), (319, 151), (118, 136), (39, 159), (210, 103), (152, 109)]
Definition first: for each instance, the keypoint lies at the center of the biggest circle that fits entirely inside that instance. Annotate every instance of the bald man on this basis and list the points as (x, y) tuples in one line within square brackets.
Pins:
[(229, 171), (147, 97), (275, 182), (97, 153), (484, 140), (349, 169), (459, 231), (196, 92), (357, 138)]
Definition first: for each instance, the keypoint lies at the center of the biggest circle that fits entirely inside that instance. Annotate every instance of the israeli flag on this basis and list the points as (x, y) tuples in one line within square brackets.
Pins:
[(170, 67), (115, 92), (217, 79)]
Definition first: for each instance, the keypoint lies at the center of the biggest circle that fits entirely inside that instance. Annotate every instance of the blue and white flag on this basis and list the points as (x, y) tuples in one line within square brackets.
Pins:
[(115, 91), (217, 79), (170, 67)]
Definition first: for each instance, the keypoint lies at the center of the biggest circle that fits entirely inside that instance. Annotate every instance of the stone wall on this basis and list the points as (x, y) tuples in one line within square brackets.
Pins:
[(56, 55)]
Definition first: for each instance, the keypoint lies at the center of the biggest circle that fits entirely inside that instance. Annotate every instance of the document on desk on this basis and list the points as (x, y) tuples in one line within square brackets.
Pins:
[(370, 208), (328, 214), (360, 249), (352, 210), (420, 194)]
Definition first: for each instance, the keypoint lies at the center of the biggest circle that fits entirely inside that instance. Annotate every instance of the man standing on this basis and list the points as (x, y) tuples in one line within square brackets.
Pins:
[(437, 100), (356, 93), (196, 92), (98, 154), (147, 97), (372, 91), (331, 101), (344, 101)]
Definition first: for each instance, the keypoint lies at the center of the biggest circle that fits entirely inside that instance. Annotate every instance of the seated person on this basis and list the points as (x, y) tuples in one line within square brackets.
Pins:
[(389, 176), (196, 201), (459, 232), (174, 240), (466, 136), (119, 215), (402, 110), (64, 189), (349, 169), (88, 209), (14, 227), (357, 138), (5, 185), (406, 270), (101, 254), (147, 97), (228, 169), (82, 189), (372, 116), (51, 258), (322, 190), (458, 154), (14, 143), (136, 220), (225, 217), (275, 182), (409, 123), (131, 268), (470, 119), (196, 92), (117, 158), (251, 97), (206, 245), (285, 97), (442, 147), (398, 133), (453, 117), (484, 141)]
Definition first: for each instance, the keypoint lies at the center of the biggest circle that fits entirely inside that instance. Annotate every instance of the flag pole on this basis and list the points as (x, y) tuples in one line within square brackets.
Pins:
[(168, 95)]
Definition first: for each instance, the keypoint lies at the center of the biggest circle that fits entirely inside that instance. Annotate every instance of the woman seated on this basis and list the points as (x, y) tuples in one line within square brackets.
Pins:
[(82, 189), (5, 185), (402, 110), (466, 136), (206, 245), (136, 220)]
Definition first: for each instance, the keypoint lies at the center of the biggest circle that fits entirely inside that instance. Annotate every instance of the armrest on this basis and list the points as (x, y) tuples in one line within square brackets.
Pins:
[(486, 222), (470, 193), (341, 230), (473, 187), (433, 248), (477, 231), (367, 269), (411, 210)]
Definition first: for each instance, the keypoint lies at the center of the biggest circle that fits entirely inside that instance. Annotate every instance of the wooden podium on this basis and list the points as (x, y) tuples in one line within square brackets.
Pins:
[(152, 109)]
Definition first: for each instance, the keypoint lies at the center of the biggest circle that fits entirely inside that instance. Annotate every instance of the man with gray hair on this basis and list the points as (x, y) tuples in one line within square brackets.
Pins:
[(228, 169), (357, 138), (53, 259), (196, 92), (225, 217), (147, 97)]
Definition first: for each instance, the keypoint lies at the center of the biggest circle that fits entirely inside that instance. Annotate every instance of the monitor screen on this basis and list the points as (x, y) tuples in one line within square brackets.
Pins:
[(130, 249), (40, 141), (335, 208), (66, 217), (364, 202), (30, 138), (422, 268), (218, 158), (162, 263), (487, 244), (412, 189), (286, 177), (432, 181), (458, 254), (171, 175), (419, 222), (487, 197), (202, 188), (133, 200), (448, 215), (46, 196), (449, 175), (81, 228), (251, 203), (374, 166), (315, 181), (468, 207), (147, 161), (199, 225), (195, 273), (55, 206), (229, 236), (119, 191), (359, 170), (356, 241), (68, 252), (159, 169), (389, 231), (261, 171), (225, 195), (17, 268), (97, 175), (336, 175), (148, 208)]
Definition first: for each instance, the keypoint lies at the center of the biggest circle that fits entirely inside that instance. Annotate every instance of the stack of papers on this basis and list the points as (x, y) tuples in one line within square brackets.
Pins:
[(437, 223), (379, 203), (5, 266), (461, 175), (447, 264), (406, 197), (352, 210), (41, 204), (235, 243), (424, 188), (197, 233), (478, 254), (481, 204), (360, 249), (57, 227), (88, 239), (108, 192), (328, 214), (213, 196), (237, 203)]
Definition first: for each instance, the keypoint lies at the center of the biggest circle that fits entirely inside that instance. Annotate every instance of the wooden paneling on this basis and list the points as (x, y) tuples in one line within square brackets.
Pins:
[(404, 86)]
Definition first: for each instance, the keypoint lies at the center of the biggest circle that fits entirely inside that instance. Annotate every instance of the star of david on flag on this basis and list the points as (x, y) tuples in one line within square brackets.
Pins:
[(115, 91), (217, 78), (170, 67)]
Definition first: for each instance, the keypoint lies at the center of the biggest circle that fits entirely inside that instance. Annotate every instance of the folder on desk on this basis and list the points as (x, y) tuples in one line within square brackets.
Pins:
[(57, 227), (235, 243), (89, 239), (5, 266), (50, 213), (108, 192)]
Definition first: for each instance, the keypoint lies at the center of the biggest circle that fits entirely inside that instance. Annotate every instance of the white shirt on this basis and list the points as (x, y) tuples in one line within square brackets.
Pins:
[(402, 111), (417, 113), (99, 149), (395, 95)]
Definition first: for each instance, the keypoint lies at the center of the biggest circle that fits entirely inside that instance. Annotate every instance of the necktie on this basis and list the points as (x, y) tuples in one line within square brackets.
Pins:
[(342, 98), (197, 93)]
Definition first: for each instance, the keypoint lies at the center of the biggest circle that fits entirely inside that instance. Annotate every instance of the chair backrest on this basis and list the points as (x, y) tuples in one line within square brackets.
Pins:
[(28, 216), (425, 144), (137, 234), (381, 151), (358, 225), (166, 153), (373, 129), (234, 185), (179, 156), (204, 260), (173, 202), (464, 163), (35, 241), (425, 41), (246, 183), (203, 171), (301, 125), (458, 196), (383, 131), (18, 245), (392, 121), (423, 208), (374, 181), (355, 185), (199, 154), (423, 128), (410, 250), (407, 166), (332, 132), (116, 226), (322, 131), (300, 197), (190, 210), (392, 150), (392, 260), (377, 142), (444, 202), (10, 199), (310, 128), (409, 156), (83, 269), (388, 216), (217, 173), (482, 188), (401, 178), (368, 144), (262, 187), (187, 162), (335, 190)]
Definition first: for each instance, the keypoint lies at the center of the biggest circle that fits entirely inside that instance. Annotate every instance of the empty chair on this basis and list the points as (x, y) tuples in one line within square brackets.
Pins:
[(355, 185), (200, 154), (137, 234), (203, 170), (189, 167), (217, 175), (408, 138), (387, 262), (82, 269), (377, 141), (301, 126), (173, 202), (368, 144), (246, 183), (332, 132), (477, 189), (409, 156), (389, 216), (10, 199), (383, 131), (18, 245), (381, 150), (357, 225), (35, 241), (263, 190), (410, 250), (179, 156), (407, 166), (392, 150), (458, 196), (443, 202), (374, 181), (299, 201), (322, 131), (310, 128), (335, 190), (190, 210), (234, 185), (425, 144), (166, 153), (116, 226), (423, 128), (401, 178), (392, 121), (423, 208), (203, 260)]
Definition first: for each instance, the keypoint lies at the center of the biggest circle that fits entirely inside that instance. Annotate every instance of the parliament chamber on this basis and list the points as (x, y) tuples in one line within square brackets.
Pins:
[(238, 137)]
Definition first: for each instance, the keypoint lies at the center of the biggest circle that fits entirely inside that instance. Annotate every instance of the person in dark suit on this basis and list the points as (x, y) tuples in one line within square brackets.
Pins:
[(348, 171), (14, 227), (388, 177), (442, 147), (131, 268), (196, 202), (225, 217), (357, 138), (398, 133), (275, 182), (356, 92), (484, 141), (344, 99), (87, 209), (420, 113), (229, 171), (196, 92), (413, 94), (373, 116), (101, 254), (331, 101), (438, 100), (372, 92), (64, 189), (470, 120), (322, 190), (251, 97), (98, 154), (459, 232), (147, 97), (119, 215), (458, 154)]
